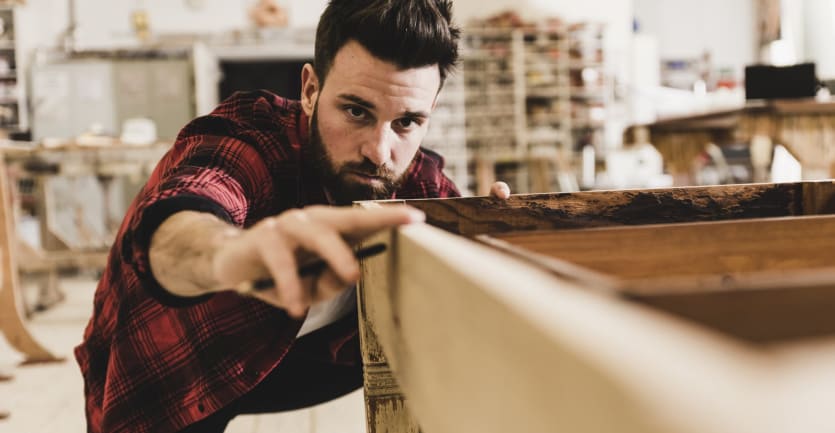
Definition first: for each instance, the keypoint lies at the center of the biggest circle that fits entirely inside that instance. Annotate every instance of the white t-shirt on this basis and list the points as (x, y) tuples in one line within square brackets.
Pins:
[(326, 312)]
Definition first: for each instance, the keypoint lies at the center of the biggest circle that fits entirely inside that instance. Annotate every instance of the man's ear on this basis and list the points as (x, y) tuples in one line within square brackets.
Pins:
[(310, 88)]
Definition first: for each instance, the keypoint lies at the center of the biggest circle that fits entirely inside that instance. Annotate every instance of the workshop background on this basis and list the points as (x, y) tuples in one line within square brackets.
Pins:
[(550, 96)]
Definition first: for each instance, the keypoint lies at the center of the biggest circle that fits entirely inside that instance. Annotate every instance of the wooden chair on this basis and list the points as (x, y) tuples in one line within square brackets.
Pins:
[(11, 301)]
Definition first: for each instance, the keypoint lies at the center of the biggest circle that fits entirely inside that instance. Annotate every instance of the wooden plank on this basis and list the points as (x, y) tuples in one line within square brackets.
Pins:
[(385, 405), (769, 316), (724, 248), (479, 215), (473, 216), (764, 281), (818, 198), (482, 342)]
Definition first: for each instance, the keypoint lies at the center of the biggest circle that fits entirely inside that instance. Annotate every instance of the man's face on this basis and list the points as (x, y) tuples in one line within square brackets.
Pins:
[(367, 122)]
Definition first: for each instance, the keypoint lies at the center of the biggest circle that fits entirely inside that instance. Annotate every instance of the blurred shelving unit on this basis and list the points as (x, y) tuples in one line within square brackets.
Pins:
[(11, 99), (447, 134), (535, 94), (547, 92), (493, 88), (589, 87)]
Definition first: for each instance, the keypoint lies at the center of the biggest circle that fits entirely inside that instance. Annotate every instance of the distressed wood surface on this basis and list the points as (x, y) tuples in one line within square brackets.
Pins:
[(479, 215), (482, 342), (386, 410), (385, 406)]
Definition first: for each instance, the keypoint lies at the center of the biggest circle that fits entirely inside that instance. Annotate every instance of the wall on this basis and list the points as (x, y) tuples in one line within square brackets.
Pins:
[(817, 36), (104, 23), (686, 28), (107, 24)]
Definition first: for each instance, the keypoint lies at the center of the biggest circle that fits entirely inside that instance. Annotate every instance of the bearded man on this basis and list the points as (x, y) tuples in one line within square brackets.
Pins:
[(253, 190)]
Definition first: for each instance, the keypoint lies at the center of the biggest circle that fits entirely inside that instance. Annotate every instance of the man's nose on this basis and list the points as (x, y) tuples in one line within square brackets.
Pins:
[(377, 147)]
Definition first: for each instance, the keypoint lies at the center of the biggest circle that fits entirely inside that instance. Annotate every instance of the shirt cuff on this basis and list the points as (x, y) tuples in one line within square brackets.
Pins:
[(150, 220)]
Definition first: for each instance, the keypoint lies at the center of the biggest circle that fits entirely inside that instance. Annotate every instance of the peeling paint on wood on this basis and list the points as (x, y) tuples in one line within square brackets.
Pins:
[(389, 415)]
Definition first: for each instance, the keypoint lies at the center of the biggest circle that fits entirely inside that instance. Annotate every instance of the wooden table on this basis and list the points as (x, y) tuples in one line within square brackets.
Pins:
[(104, 160), (805, 127), (12, 313), (600, 323)]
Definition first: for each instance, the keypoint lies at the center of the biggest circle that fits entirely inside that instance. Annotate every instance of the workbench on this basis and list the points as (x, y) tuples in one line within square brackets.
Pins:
[(105, 161), (805, 127)]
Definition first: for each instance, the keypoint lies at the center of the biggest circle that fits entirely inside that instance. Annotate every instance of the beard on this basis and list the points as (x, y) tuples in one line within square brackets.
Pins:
[(339, 180)]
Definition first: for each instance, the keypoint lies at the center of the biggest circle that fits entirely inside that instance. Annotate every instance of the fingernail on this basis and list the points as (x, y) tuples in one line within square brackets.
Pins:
[(416, 216)]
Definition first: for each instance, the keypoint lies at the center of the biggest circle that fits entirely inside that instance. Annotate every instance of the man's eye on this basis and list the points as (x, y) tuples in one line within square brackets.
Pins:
[(406, 123), (355, 112)]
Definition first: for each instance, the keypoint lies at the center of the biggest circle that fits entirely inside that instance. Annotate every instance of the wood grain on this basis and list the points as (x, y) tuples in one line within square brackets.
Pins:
[(765, 281), (727, 248), (388, 357), (482, 342), (769, 316), (479, 215), (385, 405)]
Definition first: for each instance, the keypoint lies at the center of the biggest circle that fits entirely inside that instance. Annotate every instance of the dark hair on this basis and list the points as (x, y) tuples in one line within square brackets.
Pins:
[(407, 33)]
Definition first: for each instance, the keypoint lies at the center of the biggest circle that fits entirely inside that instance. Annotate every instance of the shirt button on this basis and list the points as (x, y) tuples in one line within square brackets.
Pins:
[(201, 408)]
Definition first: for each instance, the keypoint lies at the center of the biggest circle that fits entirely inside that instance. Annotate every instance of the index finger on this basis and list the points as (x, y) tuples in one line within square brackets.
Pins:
[(362, 222)]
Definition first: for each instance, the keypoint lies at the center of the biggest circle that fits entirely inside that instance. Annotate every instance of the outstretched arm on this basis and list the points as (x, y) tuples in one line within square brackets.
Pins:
[(194, 253)]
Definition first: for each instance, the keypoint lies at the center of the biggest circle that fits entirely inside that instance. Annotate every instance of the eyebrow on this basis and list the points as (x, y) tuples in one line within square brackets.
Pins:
[(367, 104)]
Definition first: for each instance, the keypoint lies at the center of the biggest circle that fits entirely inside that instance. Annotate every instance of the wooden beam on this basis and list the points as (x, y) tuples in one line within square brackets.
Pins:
[(482, 342), (385, 406)]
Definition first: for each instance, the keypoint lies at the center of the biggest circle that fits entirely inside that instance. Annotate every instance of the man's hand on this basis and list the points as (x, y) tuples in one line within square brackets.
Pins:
[(193, 253), (276, 246), (500, 190)]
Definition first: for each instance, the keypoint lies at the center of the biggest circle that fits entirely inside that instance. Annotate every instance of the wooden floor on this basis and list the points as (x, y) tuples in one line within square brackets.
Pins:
[(49, 398)]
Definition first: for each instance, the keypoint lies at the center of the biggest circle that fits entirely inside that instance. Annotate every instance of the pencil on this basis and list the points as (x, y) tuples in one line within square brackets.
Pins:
[(307, 270)]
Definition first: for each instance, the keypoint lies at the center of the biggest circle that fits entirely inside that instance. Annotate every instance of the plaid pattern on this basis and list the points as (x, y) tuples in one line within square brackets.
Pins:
[(153, 362)]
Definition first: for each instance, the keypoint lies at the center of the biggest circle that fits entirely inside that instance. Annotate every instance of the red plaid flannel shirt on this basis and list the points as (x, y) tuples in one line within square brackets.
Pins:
[(153, 362)]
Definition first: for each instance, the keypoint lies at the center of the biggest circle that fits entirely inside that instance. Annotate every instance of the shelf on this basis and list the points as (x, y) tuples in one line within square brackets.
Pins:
[(556, 137), (547, 93), (576, 124), (580, 64), (588, 92), (494, 112)]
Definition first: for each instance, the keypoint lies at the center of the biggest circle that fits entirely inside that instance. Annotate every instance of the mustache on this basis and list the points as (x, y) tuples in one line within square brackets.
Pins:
[(368, 168)]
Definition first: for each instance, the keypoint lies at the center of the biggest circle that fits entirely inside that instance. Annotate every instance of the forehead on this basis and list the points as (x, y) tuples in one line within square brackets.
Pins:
[(358, 72)]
